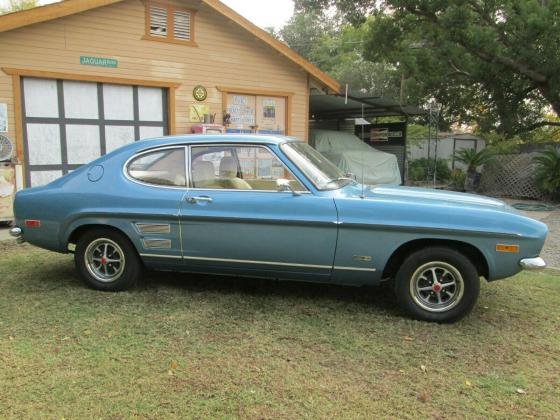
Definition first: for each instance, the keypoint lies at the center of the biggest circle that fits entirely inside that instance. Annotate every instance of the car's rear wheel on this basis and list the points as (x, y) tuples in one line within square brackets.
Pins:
[(106, 260), (437, 284)]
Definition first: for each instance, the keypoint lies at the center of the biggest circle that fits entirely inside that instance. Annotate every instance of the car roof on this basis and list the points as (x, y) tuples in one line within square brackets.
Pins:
[(211, 138)]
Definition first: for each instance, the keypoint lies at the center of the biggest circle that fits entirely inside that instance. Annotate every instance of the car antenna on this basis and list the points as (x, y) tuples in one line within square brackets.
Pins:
[(362, 154)]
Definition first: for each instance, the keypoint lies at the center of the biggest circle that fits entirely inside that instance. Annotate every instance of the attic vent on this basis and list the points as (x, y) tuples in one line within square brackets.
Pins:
[(182, 25), (158, 21), (169, 23)]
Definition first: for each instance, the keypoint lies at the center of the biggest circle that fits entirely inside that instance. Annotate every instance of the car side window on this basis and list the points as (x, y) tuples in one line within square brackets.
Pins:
[(161, 167), (239, 168)]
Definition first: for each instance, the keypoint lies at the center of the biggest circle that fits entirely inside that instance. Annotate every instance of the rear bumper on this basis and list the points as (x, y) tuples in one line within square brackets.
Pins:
[(536, 263), (17, 233)]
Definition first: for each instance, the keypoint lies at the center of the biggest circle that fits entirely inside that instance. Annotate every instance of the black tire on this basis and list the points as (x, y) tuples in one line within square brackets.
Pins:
[(442, 301), (91, 265)]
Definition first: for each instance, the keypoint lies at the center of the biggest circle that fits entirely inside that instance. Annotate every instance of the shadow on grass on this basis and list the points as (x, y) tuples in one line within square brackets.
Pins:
[(380, 297), (59, 273)]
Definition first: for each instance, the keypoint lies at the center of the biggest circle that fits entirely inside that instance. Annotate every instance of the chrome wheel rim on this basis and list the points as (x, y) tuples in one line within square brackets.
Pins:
[(437, 286), (104, 260)]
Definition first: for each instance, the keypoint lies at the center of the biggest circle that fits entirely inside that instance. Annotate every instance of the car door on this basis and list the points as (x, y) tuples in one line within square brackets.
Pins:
[(233, 218)]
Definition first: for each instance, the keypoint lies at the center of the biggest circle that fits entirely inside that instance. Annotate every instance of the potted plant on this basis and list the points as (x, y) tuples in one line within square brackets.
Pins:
[(473, 160)]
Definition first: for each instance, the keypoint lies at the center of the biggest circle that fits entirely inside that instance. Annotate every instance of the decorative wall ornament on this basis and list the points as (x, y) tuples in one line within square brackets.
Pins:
[(200, 93)]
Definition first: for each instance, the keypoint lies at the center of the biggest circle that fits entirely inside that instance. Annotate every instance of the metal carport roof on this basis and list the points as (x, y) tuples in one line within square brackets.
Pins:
[(322, 106)]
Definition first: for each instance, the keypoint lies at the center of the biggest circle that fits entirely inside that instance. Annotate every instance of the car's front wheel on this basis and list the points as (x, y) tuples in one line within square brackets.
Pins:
[(437, 284), (106, 260)]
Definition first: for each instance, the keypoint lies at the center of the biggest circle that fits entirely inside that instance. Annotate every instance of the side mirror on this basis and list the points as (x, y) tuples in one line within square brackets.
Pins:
[(284, 185)]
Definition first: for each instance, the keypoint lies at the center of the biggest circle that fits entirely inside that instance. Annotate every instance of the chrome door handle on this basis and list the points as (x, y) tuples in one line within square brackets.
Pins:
[(194, 200)]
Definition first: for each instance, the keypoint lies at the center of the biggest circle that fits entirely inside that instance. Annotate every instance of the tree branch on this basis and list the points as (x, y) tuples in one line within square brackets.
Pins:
[(538, 124), (489, 22), (457, 70), (520, 67)]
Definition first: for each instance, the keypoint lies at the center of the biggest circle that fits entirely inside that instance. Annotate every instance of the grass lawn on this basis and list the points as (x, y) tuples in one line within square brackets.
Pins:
[(199, 346)]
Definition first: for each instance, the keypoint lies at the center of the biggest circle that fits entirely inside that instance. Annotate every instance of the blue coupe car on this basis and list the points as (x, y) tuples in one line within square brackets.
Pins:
[(274, 207)]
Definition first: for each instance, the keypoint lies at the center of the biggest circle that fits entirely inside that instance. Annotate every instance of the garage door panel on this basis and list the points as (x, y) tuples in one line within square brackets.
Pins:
[(39, 178), (80, 100), (150, 102), (118, 102), (43, 98), (117, 136), (70, 123), (43, 142), (82, 143), (150, 132)]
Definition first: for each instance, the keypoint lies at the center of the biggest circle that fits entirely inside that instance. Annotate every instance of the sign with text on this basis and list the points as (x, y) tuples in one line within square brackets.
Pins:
[(388, 133), (98, 61)]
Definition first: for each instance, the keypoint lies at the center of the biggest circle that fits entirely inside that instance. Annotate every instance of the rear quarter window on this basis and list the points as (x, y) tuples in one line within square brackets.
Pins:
[(161, 167)]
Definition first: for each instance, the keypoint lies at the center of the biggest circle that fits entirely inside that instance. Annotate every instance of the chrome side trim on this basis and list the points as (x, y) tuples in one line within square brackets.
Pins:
[(157, 243), (339, 267), (325, 267), (536, 263), (178, 257), (258, 262), (154, 227)]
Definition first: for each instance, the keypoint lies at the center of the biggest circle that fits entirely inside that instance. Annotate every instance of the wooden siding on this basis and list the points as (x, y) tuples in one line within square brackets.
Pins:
[(226, 55)]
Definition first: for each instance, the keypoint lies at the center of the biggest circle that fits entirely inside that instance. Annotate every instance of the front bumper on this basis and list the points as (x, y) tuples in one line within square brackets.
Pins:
[(536, 263), (17, 233)]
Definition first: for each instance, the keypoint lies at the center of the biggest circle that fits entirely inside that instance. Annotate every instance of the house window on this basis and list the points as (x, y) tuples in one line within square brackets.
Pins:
[(261, 114), (169, 23)]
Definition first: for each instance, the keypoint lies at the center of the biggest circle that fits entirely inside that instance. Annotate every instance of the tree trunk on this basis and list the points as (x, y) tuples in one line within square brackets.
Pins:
[(472, 180)]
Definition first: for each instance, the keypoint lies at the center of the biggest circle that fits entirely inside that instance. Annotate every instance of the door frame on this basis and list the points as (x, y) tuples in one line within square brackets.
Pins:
[(18, 74)]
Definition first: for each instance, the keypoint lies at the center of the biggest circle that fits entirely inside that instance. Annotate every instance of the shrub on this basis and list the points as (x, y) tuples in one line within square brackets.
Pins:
[(547, 172), (423, 170), (458, 179)]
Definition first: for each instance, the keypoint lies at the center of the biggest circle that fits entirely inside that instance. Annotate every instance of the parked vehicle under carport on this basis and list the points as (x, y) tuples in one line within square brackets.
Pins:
[(369, 165)]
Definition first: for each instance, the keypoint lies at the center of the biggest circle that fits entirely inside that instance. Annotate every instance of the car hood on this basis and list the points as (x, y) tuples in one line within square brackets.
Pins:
[(415, 208), (432, 196)]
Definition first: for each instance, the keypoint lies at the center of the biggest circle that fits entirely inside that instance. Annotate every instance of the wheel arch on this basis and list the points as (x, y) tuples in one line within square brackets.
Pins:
[(470, 251), (79, 230)]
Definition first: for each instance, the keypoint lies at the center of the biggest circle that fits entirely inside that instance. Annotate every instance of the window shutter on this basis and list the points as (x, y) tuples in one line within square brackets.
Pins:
[(182, 25), (158, 21)]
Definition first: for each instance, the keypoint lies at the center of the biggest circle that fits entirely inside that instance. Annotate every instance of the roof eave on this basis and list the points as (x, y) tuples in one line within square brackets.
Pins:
[(48, 12)]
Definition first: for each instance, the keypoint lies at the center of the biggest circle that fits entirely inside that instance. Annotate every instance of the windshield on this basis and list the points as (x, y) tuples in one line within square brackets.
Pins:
[(317, 168)]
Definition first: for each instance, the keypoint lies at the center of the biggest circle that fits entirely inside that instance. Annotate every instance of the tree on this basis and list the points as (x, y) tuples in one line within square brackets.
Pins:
[(494, 62), (18, 5), (337, 48)]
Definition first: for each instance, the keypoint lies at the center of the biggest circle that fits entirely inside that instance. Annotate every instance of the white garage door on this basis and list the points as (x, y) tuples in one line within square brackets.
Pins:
[(69, 123)]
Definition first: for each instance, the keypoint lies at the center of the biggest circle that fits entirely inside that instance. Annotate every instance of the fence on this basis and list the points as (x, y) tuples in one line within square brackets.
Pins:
[(511, 176)]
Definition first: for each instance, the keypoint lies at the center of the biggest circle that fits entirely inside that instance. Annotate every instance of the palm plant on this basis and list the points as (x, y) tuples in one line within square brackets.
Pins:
[(547, 172), (473, 159)]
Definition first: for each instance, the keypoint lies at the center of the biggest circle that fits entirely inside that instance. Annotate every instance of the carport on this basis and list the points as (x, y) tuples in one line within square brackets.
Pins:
[(359, 114)]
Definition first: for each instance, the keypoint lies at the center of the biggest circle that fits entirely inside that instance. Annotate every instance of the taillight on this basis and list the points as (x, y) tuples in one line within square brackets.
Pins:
[(30, 223)]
